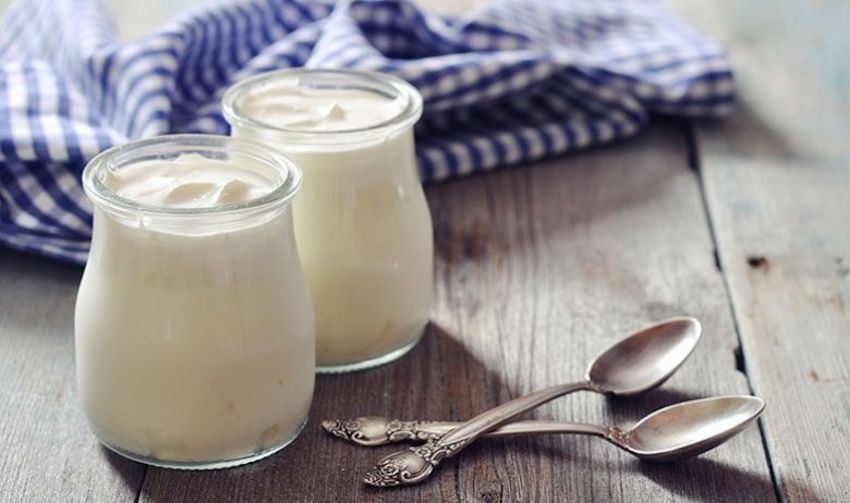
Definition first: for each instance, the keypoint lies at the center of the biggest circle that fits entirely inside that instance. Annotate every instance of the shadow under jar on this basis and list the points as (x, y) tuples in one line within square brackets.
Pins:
[(194, 327), (361, 222)]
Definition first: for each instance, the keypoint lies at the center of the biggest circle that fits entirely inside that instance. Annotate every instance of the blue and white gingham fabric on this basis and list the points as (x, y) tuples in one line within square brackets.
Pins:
[(513, 81)]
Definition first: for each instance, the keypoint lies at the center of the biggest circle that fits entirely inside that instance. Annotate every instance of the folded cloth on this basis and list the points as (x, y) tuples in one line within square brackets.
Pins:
[(510, 82)]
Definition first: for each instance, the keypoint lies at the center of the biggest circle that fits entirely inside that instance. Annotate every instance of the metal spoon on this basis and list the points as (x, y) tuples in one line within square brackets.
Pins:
[(675, 432), (634, 365)]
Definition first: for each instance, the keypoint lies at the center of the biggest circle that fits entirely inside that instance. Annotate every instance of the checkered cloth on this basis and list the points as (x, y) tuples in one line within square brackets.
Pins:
[(513, 81)]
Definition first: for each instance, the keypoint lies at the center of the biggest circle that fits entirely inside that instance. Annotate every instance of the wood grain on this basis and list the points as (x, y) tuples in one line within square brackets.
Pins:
[(537, 270), (777, 178)]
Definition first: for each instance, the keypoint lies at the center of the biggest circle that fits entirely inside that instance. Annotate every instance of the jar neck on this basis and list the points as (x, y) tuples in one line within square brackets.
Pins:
[(201, 224)]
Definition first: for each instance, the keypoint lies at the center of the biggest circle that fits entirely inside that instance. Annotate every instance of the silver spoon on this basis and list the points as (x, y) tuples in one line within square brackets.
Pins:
[(675, 432), (634, 365)]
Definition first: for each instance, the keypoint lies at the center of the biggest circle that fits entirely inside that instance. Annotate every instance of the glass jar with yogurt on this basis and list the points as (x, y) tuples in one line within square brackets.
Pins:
[(195, 341), (362, 222)]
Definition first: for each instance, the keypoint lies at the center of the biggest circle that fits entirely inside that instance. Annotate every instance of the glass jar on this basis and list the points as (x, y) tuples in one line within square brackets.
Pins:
[(362, 223), (194, 327)]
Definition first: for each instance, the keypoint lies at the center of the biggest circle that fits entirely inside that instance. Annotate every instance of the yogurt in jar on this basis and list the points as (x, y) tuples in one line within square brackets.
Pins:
[(194, 326), (361, 221)]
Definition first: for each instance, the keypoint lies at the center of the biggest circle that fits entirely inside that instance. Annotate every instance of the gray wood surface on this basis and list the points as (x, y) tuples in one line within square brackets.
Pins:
[(537, 269), (777, 179)]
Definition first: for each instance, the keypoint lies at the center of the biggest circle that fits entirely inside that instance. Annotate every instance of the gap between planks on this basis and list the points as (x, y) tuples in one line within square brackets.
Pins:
[(141, 484), (692, 146)]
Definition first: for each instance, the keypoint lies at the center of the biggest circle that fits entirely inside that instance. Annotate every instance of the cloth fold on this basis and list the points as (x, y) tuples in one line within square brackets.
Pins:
[(510, 82)]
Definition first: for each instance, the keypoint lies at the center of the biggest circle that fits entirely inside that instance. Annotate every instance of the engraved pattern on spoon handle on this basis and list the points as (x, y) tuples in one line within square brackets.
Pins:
[(371, 431), (414, 430)]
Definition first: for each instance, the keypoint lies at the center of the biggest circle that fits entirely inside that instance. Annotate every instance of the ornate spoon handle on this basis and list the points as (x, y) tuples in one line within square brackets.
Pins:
[(415, 464), (519, 428), (373, 431)]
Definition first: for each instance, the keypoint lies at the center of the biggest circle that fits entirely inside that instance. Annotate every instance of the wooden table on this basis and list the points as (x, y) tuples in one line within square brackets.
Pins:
[(743, 223)]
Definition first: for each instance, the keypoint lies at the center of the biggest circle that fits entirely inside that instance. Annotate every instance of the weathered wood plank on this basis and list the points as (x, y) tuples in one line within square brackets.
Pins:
[(777, 179), (47, 451), (538, 269)]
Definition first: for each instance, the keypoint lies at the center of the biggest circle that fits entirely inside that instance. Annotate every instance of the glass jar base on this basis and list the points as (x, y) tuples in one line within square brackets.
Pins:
[(208, 465), (371, 362)]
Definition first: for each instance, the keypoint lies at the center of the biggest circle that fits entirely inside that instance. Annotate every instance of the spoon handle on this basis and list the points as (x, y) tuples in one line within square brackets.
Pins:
[(397, 431), (461, 436), (415, 464), (522, 428)]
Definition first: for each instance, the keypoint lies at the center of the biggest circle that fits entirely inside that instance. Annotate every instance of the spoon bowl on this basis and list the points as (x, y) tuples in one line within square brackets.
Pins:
[(690, 428), (645, 359), (673, 433)]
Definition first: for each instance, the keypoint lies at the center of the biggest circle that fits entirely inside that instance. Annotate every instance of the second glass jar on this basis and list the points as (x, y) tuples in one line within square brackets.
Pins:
[(362, 223)]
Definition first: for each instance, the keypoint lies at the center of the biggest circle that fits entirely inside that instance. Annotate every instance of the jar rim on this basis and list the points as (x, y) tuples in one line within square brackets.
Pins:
[(357, 79), (101, 195)]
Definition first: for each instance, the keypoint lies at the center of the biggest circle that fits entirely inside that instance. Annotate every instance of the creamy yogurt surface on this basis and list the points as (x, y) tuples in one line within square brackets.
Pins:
[(189, 181), (287, 105)]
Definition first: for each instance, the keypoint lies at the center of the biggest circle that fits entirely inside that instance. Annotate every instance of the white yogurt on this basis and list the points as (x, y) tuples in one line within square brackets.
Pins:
[(194, 331), (189, 181), (361, 221), (286, 104)]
